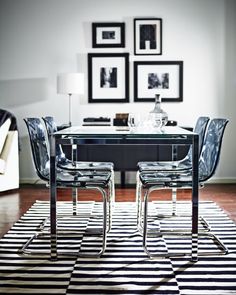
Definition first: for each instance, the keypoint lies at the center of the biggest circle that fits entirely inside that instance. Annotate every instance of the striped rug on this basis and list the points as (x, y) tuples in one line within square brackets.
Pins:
[(124, 268)]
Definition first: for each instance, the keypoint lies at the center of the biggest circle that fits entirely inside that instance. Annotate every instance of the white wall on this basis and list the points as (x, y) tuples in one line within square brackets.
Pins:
[(39, 39)]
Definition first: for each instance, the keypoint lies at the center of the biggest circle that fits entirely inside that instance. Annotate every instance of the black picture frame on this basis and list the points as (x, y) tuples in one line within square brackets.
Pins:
[(158, 77), (147, 36), (108, 77), (108, 35)]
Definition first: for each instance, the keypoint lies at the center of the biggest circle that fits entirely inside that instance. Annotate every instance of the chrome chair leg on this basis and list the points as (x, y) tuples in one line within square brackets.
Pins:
[(194, 253), (104, 225), (145, 233), (37, 234), (138, 199), (113, 192), (110, 205), (202, 220)]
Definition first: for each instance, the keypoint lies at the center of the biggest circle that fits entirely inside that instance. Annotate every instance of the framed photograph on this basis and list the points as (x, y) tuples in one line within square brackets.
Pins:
[(158, 77), (108, 77), (105, 35), (147, 36)]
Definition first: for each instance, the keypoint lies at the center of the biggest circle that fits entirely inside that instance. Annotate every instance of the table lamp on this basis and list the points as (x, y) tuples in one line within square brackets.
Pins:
[(70, 83)]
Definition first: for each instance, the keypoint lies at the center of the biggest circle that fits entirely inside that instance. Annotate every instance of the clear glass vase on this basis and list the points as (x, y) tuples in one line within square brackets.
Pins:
[(158, 116)]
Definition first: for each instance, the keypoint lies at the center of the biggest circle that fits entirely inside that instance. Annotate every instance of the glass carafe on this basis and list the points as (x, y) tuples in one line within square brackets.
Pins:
[(158, 116)]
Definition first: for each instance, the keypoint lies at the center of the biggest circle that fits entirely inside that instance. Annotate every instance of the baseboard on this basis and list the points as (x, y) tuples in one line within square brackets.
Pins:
[(31, 181), (223, 180)]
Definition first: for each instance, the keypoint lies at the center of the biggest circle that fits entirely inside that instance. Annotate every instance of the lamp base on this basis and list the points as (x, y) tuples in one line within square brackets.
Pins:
[(70, 124)]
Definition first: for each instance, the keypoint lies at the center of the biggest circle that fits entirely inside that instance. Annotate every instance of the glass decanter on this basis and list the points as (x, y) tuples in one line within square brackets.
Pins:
[(158, 116)]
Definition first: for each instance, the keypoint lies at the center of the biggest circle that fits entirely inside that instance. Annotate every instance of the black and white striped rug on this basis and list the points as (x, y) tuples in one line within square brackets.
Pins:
[(124, 268)]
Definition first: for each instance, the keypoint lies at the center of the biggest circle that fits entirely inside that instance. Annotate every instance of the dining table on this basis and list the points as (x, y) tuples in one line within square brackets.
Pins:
[(115, 135)]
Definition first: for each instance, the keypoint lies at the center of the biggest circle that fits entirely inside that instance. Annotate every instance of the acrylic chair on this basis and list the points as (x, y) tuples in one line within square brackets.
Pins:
[(94, 180), (186, 163), (181, 165), (208, 161), (68, 164)]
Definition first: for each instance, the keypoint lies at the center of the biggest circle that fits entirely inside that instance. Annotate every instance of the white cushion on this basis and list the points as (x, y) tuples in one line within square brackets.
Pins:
[(4, 128)]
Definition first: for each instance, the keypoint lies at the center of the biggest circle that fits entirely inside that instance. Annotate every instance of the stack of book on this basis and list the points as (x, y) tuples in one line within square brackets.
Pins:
[(97, 121)]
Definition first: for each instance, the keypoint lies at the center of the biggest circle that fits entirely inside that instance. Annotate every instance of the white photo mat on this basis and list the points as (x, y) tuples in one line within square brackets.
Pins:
[(143, 73), (108, 77), (101, 40), (162, 77), (108, 62)]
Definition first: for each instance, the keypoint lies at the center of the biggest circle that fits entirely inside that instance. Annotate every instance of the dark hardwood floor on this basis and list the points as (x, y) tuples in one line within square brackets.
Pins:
[(15, 203)]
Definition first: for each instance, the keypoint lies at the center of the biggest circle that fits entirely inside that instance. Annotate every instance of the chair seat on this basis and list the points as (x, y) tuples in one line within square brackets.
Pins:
[(81, 178), (170, 179), (184, 164), (165, 166), (66, 164)]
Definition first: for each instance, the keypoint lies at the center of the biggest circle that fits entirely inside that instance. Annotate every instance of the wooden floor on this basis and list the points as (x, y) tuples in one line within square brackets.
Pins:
[(15, 203)]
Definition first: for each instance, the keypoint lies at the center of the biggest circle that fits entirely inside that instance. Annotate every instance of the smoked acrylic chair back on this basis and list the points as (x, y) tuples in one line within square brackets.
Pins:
[(38, 145), (211, 150)]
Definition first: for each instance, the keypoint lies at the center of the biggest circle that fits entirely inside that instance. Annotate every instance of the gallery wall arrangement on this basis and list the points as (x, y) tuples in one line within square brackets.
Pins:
[(108, 73)]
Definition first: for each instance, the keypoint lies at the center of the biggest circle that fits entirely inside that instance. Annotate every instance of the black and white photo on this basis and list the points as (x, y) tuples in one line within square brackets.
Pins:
[(108, 35), (158, 80), (162, 77), (108, 77), (147, 36)]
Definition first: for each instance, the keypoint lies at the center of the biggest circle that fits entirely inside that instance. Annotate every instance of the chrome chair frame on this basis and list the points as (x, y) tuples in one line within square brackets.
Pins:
[(151, 181), (171, 166), (79, 179)]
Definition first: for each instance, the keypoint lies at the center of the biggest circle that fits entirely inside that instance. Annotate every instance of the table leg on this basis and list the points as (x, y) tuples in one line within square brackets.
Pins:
[(122, 179), (53, 198), (195, 184)]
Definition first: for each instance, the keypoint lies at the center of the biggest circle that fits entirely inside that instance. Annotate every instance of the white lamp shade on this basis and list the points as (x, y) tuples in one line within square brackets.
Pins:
[(70, 83)]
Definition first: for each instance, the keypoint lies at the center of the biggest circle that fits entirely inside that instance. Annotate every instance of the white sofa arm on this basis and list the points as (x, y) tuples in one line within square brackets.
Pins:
[(6, 151), (9, 175), (4, 128)]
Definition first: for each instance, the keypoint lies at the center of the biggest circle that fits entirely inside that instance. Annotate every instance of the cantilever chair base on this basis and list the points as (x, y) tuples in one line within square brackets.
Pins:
[(106, 226), (25, 251), (195, 253), (222, 249)]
